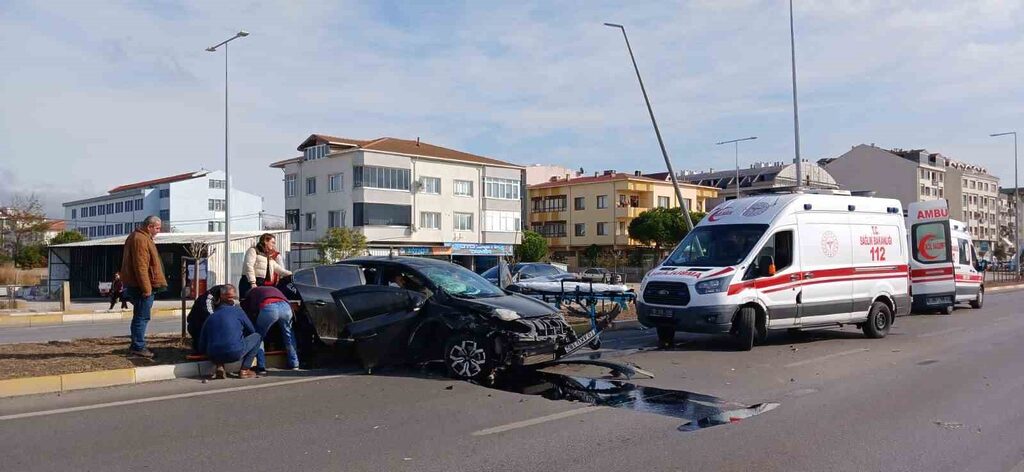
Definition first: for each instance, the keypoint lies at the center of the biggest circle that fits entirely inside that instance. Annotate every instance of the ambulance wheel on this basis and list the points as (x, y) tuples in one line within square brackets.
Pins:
[(946, 310), (468, 357), (879, 321), (980, 300), (745, 331), (666, 337)]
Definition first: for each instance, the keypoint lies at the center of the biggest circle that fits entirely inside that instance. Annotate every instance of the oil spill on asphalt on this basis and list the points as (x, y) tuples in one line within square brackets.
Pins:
[(699, 410)]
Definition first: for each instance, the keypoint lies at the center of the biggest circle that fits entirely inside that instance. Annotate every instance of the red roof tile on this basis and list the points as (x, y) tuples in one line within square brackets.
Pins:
[(398, 146), (593, 179), (162, 180)]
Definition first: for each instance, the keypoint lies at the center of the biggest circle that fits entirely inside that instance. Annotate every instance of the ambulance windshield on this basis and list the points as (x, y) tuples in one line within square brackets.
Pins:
[(716, 245)]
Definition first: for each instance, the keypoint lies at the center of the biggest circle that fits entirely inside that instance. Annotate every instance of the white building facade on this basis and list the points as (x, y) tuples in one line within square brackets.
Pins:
[(192, 202), (407, 197)]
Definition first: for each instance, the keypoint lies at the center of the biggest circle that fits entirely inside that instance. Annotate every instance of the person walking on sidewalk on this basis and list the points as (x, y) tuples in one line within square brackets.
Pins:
[(262, 265), (270, 306), (229, 336), (117, 292), (142, 275)]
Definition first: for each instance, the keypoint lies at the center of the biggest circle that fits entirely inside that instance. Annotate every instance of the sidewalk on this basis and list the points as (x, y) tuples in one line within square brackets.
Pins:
[(48, 313)]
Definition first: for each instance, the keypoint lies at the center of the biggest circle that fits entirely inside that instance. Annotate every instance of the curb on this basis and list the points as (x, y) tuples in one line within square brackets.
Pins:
[(57, 318), (1005, 287), (115, 377)]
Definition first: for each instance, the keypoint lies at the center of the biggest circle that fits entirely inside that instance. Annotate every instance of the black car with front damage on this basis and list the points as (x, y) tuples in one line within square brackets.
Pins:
[(396, 310)]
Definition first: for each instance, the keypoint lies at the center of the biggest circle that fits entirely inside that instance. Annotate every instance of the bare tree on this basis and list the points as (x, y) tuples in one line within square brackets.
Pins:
[(23, 223)]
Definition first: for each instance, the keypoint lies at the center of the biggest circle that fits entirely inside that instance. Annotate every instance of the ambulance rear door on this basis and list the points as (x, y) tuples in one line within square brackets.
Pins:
[(931, 256)]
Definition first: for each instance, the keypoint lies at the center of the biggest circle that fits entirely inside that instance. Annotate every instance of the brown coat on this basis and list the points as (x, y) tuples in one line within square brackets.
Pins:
[(140, 265)]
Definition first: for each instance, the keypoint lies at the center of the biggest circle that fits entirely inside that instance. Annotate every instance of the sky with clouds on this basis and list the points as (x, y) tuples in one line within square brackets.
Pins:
[(97, 94)]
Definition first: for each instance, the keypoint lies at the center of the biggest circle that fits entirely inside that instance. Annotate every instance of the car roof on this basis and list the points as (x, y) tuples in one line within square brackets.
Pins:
[(415, 262)]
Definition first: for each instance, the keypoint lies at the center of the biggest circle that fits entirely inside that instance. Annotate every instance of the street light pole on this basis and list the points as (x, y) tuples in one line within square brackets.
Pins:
[(1016, 203), (796, 116), (227, 162), (736, 142), (657, 132)]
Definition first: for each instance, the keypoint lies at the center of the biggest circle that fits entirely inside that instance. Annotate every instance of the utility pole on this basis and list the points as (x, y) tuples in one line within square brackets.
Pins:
[(796, 115)]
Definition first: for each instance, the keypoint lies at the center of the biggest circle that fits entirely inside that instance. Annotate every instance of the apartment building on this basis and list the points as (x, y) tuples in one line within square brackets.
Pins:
[(975, 201), (192, 202), (1007, 218), (578, 212), (758, 177), (407, 197)]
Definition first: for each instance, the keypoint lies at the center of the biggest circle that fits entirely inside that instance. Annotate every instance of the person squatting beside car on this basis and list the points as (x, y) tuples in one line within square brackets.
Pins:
[(228, 336), (269, 306)]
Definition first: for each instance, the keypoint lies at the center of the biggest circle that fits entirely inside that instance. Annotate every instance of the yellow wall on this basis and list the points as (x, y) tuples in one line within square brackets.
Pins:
[(646, 192)]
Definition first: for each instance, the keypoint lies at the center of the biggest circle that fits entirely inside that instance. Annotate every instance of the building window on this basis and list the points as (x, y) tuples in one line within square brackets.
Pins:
[(214, 183), (551, 229), (581, 229), (215, 204), (431, 185), (319, 151), (555, 203), (502, 221), (602, 201), (334, 183), (215, 226), (389, 178), (579, 203), (310, 221), (119, 207), (165, 193), (102, 209), (110, 208), (336, 219), (74, 213), (165, 216), (289, 185), (381, 214), (663, 202), (138, 204), (291, 219), (128, 206), (462, 221), (464, 188), (622, 229), (430, 220), (602, 229), (505, 189), (310, 185), (85, 212)]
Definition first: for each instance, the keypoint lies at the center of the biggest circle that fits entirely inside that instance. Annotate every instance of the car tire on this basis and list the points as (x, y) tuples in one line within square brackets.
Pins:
[(879, 321), (468, 356), (745, 331), (666, 337), (979, 301)]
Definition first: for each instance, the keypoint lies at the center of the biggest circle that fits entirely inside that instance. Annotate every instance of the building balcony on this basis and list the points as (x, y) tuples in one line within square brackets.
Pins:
[(629, 211)]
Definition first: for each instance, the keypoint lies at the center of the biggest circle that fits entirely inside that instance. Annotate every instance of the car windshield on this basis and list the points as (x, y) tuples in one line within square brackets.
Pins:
[(716, 245), (492, 273), (461, 282)]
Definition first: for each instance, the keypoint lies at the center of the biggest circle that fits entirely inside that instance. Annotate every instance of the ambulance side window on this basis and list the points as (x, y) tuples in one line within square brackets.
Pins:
[(780, 248), (965, 254)]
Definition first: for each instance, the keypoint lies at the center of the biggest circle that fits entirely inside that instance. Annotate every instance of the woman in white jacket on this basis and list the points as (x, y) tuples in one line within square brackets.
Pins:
[(262, 265)]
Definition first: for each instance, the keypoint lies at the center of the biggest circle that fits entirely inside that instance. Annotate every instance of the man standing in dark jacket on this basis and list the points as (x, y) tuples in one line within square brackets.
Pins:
[(143, 274), (229, 336)]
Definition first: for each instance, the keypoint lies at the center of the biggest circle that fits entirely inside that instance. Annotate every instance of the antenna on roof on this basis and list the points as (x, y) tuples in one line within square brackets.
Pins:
[(417, 140)]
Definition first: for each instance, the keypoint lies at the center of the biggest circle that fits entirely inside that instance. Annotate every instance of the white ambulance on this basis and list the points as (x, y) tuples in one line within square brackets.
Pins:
[(944, 267), (780, 261)]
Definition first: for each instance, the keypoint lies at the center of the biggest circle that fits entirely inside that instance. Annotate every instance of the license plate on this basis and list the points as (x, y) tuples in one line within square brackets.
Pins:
[(939, 300), (664, 312)]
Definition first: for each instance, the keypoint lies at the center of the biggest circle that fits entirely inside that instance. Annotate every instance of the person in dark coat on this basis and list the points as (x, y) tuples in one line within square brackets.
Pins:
[(204, 306), (228, 336), (117, 292)]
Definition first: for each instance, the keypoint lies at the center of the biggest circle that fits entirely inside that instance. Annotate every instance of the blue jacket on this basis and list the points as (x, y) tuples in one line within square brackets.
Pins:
[(224, 332)]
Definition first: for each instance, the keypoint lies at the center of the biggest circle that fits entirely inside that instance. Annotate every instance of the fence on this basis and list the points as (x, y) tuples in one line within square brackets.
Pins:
[(1002, 276)]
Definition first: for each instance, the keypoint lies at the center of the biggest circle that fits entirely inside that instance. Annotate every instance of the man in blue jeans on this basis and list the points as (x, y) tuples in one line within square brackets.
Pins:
[(143, 275), (229, 336), (270, 306)]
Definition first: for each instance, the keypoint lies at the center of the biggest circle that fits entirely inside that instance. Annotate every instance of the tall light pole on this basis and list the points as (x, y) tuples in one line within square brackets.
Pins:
[(657, 132), (227, 170), (1016, 202), (736, 142), (796, 115)]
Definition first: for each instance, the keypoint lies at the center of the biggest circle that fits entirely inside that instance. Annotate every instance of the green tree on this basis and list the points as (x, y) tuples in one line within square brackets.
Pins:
[(67, 236), (590, 255), (999, 252), (661, 227), (26, 224), (534, 247), (340, 243), (31, 256)]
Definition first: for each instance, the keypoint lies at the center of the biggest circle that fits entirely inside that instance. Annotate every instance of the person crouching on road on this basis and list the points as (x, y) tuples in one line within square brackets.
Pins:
[(117, 292), (204, 306), (229, 336), (143, 276), (262, 265), (270, 306)]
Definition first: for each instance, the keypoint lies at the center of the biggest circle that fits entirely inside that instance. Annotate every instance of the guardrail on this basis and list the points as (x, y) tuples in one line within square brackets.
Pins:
[(1002, 276)]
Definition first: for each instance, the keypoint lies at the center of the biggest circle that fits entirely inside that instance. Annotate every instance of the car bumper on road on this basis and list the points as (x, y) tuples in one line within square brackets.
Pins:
[(696, 319), (932, 301)]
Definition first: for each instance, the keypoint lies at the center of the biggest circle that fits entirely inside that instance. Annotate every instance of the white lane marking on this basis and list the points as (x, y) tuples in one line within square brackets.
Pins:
[(1003, 318), (536, 421), (828, 356), (176, 396), (939, 333)]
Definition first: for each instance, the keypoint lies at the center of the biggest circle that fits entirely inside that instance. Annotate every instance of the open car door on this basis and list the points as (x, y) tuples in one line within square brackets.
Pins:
[(932, 281), (382, 319), (315, 285)]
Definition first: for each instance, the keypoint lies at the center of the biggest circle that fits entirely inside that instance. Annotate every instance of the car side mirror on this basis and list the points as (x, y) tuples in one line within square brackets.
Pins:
[(766, 266), (416, 301)]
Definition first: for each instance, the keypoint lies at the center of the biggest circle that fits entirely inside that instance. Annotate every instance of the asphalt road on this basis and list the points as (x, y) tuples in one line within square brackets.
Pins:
[(941, 393), (69, 331)]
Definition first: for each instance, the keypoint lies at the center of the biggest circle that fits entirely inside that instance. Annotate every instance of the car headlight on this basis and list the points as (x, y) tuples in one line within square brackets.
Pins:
[(505, 314), (720, 284)]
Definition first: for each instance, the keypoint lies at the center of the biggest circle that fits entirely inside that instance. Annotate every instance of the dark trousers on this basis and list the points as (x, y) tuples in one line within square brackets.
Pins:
[(251, 346), (114, 297)]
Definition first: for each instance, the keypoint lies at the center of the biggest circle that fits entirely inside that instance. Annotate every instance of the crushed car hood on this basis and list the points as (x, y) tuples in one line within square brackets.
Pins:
[(526, 307)]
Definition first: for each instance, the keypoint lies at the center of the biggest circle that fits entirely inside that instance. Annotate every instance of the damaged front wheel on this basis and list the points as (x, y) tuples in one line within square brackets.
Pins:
[(468, 356)]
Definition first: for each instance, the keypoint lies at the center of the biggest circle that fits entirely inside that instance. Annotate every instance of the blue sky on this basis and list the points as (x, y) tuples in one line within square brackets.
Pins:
[(96, 94)]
